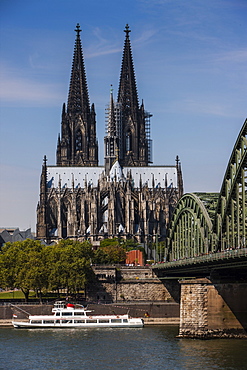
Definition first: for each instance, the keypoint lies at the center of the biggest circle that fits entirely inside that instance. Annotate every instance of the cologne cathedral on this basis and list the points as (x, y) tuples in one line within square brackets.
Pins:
[(126, 197)]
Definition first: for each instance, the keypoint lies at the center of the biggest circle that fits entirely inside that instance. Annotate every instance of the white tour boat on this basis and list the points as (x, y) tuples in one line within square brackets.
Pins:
[(67, 315)]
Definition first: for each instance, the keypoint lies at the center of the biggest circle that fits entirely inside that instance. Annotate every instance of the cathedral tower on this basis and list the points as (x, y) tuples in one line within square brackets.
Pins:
[(134, 145), (78, 145), (130, 118)]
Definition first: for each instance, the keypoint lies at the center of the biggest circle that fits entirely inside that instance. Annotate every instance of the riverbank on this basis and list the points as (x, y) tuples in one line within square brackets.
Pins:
[(153, 313), (5, 323)]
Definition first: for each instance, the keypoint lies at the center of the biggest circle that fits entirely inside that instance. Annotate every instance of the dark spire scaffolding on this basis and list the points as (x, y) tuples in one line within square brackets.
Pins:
[(112, 119), (111, 139)]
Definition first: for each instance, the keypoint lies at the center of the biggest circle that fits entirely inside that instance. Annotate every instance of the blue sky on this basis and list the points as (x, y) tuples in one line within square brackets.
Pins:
[(190, 61)]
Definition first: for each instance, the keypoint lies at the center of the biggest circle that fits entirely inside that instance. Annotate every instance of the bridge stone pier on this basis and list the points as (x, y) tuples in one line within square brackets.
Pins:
[(210, 309), (213, 293)]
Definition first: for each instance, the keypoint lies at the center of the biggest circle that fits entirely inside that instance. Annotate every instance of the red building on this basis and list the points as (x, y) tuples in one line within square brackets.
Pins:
[(134, 258)]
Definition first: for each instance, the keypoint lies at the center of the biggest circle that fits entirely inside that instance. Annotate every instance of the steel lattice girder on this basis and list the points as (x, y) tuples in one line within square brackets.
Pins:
[(230, 223), (229, 227), (190, 233)]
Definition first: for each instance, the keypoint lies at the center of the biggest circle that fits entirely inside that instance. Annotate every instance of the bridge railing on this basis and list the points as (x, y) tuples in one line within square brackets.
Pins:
[(211, 257)]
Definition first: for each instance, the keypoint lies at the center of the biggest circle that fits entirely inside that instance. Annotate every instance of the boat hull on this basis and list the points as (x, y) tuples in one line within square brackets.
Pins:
[(28, 325)]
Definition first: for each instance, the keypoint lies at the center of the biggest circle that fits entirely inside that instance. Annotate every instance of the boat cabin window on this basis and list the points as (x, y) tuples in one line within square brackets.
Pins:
[(79, 313), (57, 313), (66, 313), (59, 304), (48, 322), (91, 321), (79, 321), (116, 320), (125, 320), (103, 321), (36, 321)]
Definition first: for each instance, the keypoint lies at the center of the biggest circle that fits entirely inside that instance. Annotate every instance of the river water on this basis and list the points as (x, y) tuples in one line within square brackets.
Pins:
[(151, 347)]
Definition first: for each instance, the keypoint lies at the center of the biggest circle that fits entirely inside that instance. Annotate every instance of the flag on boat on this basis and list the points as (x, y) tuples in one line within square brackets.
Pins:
[(15, 316)]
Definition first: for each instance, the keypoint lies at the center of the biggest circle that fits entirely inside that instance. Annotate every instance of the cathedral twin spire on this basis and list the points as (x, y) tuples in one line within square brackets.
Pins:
[(134, 147), (78, 99), (78, 145), (126, 131), (127, 93)]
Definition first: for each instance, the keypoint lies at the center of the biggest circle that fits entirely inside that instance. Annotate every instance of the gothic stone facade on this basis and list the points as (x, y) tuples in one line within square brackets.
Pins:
[(127, 196)]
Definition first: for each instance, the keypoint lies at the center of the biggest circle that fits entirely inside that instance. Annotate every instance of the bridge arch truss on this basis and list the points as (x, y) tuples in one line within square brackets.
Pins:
[(230, 224), (195, 231), (190, 232)]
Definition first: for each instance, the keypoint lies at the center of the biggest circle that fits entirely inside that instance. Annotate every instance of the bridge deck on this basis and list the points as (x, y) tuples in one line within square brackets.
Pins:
[(229, 259)]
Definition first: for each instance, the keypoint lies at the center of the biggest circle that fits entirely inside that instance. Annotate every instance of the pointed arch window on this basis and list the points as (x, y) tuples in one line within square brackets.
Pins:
[(107, 148), (128, 141), (112, 148), (78, 141)]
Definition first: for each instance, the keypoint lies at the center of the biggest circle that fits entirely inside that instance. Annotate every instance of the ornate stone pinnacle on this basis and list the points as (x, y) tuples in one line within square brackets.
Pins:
[(78, 30), (127, 30)]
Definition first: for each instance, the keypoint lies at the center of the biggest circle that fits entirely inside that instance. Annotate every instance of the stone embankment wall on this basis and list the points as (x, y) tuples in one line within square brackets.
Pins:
[(213, 310), (152, 312), (130, 284)]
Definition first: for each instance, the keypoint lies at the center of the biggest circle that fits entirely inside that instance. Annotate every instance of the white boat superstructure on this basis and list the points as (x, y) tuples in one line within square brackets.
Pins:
[(67, 315)]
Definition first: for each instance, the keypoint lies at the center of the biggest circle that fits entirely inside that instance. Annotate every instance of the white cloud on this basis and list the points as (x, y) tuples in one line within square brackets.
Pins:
[(233, 56), (112, 44), (145, 36), (101, 45), (104, 50), (24, 90), (204, 105)]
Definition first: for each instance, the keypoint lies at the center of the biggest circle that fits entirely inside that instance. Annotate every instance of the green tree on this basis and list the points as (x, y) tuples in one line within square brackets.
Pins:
[(21, 266), (129, 244), (69, 265), (100, 256), (108, 242), (115, 254), (28, 265), (111, 251)]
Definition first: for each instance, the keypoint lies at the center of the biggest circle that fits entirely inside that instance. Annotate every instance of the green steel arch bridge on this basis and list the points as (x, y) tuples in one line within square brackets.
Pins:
[(209, 230)]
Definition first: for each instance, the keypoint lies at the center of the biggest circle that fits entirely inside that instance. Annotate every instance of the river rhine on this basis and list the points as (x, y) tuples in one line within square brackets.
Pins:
[(152, 347)]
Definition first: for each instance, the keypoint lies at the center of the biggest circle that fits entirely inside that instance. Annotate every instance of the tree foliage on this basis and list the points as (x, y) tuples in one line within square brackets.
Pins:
[(68, 265), (113, 251), (21, 266), (28, 265)]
